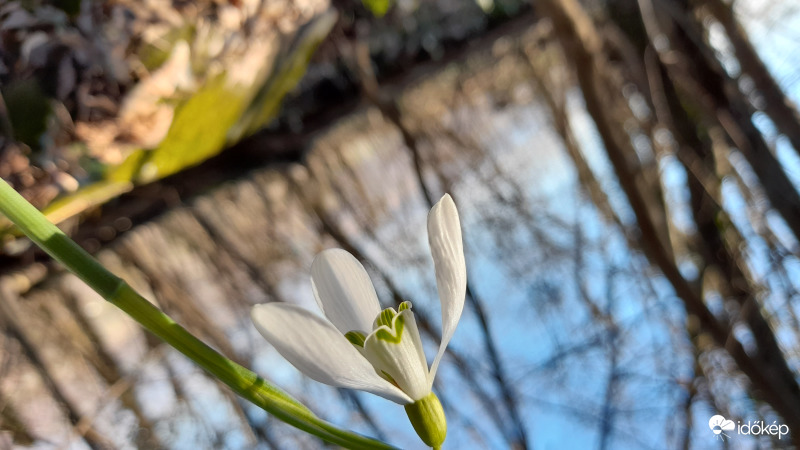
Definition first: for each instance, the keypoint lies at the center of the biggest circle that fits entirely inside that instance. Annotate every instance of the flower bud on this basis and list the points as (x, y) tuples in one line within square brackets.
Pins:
[(427, 417)]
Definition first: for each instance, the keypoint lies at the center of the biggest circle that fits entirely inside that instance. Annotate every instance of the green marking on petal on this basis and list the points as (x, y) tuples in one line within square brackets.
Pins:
[(390, 379), (385, 318), (403, 306), (386, 336), (356, 338)]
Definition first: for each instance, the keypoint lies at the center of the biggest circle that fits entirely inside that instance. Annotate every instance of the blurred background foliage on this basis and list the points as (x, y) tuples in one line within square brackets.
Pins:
[(627, 173)]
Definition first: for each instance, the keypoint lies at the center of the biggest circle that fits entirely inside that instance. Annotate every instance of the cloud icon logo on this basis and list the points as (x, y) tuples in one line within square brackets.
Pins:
[(719, 424)]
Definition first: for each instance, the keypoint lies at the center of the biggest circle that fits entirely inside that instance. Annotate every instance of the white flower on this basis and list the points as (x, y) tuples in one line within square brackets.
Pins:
[(359, 346)]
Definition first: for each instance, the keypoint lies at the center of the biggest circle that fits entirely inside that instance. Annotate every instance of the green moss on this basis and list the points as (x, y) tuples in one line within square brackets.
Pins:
[(288, 71), (129, 168), (205, 124), (198, 132), (378, 8), (153, 56), (88, 197)]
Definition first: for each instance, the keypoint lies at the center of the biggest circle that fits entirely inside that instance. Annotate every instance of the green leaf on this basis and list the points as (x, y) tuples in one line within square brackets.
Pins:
[(28, 110)]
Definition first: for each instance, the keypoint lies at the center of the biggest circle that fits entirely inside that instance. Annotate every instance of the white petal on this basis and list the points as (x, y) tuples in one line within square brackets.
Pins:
[(344, 291), (447, 248), (403, 360), (316, 348)]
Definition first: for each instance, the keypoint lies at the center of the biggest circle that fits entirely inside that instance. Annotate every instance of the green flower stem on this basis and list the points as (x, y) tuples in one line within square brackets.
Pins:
[(243, 381)]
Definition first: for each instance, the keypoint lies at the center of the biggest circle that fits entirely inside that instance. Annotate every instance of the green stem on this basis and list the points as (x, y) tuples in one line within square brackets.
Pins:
[(243, 381)]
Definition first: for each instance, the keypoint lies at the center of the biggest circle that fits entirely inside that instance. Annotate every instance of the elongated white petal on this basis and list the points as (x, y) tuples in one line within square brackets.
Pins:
[(316, 348), (447, 248), (397, 352), (344, 291)]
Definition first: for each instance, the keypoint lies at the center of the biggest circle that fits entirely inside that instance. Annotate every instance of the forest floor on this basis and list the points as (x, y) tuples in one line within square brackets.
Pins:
[(66, 62), (70, 75)]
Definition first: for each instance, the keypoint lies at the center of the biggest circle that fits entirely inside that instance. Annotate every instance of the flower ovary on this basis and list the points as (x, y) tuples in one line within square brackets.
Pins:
[(427, 417)]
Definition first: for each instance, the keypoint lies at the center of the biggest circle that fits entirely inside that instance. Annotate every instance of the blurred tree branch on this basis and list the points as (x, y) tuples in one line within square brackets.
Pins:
[(767, 368)]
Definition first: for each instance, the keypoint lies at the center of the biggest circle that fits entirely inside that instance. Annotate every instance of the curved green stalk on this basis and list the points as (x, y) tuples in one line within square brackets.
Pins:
[(112, 288)]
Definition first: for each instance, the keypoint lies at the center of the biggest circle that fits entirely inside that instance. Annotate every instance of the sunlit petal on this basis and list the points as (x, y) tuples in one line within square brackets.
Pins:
[(447, 248), (344, 291), (396, 351), (316, 348)]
